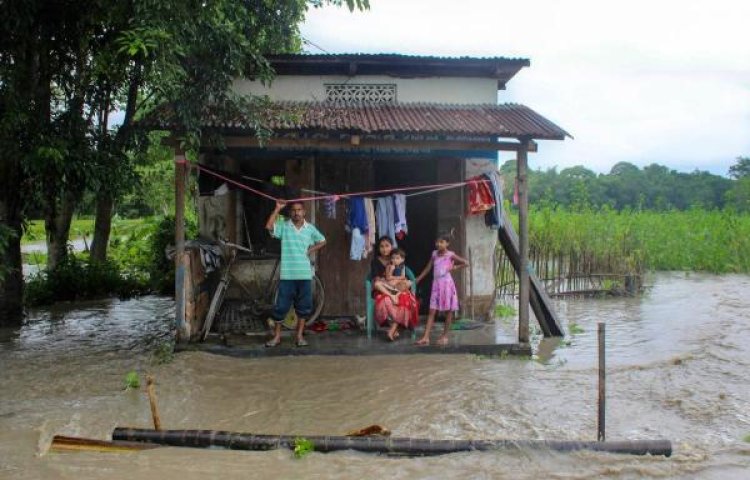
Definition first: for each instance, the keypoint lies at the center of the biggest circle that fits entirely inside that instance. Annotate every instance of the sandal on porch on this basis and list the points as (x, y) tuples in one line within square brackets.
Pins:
[(301, 343), (272, 343)]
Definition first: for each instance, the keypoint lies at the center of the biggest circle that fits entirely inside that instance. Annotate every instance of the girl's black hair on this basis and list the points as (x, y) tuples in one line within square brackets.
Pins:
[(447, 236), (385, 238), (400, 252)]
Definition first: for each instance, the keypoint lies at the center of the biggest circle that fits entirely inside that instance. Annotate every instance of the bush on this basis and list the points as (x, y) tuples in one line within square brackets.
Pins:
[(78, 278)]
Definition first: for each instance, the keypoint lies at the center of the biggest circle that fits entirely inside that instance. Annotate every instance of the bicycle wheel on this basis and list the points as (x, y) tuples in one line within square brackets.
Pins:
[(213, 309), (319, 299)]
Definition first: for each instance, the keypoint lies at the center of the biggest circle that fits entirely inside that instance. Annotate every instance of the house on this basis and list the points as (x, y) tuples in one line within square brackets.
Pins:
[(363, 123)]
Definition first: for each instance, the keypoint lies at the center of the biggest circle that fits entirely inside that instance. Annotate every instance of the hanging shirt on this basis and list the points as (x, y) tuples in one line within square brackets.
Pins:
[(493, 218), (357, 215), (386, 218), (357, 249), (399, 204), (480, 195)]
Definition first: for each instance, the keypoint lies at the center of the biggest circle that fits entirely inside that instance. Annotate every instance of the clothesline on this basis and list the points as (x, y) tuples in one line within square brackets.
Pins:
[(428, 188)]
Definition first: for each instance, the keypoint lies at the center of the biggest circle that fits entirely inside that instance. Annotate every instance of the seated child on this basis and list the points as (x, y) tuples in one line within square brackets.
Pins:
[(395, 276)]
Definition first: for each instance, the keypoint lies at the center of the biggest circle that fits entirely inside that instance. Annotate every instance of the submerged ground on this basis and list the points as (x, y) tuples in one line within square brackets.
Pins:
[(677, 358)]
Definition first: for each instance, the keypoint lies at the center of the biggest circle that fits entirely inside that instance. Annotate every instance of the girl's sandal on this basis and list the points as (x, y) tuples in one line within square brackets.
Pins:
[(272, 343)]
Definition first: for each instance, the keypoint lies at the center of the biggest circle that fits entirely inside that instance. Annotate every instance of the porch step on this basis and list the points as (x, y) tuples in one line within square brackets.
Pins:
[(236, 317)]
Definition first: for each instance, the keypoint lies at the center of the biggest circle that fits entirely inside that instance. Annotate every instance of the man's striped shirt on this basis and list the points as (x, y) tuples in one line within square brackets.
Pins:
[(295, 264)]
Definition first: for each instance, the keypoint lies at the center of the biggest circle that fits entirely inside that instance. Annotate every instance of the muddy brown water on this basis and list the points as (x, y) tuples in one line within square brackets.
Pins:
[(678, 361)]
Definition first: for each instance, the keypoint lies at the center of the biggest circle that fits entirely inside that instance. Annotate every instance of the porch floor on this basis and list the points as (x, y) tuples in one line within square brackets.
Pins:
[(479, 338)]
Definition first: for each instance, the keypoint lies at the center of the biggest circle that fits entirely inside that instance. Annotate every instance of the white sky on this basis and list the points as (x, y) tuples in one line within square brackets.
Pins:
[(644, 81)]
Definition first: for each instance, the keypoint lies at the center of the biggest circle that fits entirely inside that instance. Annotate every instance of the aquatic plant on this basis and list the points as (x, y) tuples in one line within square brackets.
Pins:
[(302, 447), (163, 354), (503, 310), (132, 380), (575, 329), (746, 438)]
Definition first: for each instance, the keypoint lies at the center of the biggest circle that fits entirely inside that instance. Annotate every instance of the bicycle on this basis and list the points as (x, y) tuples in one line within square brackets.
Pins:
[(260, 306)]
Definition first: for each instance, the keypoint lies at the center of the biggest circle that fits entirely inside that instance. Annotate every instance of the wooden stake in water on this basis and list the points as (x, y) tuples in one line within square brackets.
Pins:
[(602, 378), (150, 389)]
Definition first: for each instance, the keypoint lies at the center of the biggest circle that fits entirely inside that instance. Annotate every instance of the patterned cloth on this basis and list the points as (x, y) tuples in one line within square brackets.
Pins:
[(405, 313), (443, 296), (295, 264)]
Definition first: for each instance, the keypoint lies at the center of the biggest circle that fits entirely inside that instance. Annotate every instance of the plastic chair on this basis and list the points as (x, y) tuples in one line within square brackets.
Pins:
[(370, 302)]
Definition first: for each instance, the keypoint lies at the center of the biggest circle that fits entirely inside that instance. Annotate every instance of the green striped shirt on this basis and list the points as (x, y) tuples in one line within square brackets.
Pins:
[(295, 264)]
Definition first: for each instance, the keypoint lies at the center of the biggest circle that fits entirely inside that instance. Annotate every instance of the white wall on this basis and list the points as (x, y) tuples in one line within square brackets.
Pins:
[(437, 90)]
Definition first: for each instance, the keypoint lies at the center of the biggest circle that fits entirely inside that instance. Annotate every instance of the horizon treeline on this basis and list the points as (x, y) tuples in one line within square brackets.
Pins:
[(626, 186)]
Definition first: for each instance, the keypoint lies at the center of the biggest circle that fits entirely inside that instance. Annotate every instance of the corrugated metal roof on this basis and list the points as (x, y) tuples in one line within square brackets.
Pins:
[(508, 120)]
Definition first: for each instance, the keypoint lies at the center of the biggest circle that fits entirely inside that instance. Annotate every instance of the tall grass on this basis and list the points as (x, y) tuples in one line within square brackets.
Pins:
[(701, 240)]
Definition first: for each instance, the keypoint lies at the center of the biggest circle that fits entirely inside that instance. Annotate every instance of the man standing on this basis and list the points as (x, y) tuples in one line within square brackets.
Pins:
[(299, 239)]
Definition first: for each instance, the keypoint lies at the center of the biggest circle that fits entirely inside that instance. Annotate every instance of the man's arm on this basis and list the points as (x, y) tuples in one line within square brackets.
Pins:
[(271, 222), (316, 247)]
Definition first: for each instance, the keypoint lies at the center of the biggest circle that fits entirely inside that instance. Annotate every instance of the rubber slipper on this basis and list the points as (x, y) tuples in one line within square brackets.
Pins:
[(272, 343), (302, 343)]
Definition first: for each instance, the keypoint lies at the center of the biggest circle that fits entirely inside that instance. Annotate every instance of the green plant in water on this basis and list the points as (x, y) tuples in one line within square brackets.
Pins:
[(302, 447), (575, 329), (746, 438), (164, 353), (503, 310), (132, 380)]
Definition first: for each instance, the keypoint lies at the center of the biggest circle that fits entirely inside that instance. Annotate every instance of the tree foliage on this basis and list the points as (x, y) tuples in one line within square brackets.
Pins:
[(626, 186)]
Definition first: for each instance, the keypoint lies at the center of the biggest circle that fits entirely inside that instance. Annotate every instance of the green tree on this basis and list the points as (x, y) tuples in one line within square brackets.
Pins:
[(65, 67)]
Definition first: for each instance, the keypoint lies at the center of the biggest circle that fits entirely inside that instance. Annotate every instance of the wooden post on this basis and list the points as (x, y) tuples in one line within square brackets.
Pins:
[(523, 234), (600, 436), (150, 389), (180, 174), (230, 165), (471, 283)]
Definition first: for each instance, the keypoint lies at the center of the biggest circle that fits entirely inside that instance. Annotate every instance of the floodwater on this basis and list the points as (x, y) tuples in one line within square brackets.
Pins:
[(677, 357)]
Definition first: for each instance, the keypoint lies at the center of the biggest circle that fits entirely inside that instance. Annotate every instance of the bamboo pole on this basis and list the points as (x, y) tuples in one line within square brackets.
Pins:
[(378, 444), (600, 433), (61, 443), (151, 390), (523, 235)]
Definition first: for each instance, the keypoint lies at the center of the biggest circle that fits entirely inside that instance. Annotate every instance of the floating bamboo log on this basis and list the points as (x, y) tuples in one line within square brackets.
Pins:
[(61, 443), (389, 445)]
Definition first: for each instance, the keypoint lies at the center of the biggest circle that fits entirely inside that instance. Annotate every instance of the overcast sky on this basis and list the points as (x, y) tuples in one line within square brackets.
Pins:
[(644, 81)]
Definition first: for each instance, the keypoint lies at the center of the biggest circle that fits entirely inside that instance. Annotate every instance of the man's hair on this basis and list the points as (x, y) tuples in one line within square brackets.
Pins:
[(301, 204), (400, 252)]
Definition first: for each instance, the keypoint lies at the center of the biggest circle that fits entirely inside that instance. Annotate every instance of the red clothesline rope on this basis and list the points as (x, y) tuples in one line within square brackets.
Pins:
[(330, 196)]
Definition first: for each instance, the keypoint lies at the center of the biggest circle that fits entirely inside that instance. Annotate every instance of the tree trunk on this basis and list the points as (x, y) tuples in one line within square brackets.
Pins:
[(102, 226), (57, 224), (11, 273)]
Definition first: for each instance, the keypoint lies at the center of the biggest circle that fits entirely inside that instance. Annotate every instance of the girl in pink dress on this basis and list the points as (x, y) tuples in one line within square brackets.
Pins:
[(443, 297)]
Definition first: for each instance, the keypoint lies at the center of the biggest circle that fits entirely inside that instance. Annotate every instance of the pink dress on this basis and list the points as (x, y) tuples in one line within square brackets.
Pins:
[(443, 297)]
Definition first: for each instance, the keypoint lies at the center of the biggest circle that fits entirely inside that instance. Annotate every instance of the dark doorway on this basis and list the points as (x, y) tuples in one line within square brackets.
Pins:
[(421, 211)]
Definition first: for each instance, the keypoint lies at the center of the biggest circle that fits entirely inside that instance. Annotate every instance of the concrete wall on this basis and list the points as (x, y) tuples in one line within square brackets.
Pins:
[(482, 240), (437, 90)]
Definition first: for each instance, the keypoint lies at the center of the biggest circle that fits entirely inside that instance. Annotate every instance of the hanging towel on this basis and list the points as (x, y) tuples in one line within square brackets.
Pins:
[(357, 250), (371, 225), (386, 218)]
